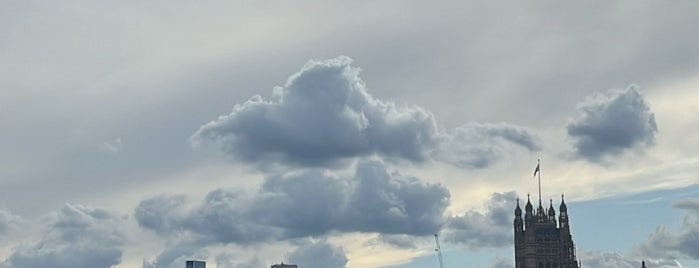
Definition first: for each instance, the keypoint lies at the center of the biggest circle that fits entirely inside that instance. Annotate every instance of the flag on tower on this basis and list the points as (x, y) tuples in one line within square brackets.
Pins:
[(537, 169)]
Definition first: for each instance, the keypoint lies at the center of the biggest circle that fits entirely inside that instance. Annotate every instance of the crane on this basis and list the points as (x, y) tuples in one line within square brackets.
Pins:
[(438, 250)]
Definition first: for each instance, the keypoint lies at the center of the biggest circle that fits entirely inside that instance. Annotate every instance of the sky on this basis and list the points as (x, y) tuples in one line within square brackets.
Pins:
[(345, 134)]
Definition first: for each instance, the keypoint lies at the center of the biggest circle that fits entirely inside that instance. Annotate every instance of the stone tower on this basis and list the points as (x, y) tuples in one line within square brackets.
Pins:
[(540, 240)]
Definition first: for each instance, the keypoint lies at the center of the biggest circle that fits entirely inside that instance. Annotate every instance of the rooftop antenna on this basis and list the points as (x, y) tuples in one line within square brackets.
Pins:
[(438, 250)]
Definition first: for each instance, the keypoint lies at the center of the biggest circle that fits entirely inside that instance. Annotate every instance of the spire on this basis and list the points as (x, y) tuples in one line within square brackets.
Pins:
[(529, 214), (518, 220), (563, 207), (552, 212), (563, 214)]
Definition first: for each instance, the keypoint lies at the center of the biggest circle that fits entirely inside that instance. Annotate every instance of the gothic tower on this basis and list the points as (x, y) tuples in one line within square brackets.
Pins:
[(540, 240)]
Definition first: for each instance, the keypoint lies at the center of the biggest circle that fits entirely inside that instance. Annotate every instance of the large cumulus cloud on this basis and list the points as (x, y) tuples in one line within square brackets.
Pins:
[(324, 114), (78, 236), (304, 203), (611, 123), (491, 228)]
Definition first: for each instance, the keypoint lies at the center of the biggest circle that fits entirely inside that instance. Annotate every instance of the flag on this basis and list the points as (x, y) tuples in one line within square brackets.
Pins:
[(536, 170)]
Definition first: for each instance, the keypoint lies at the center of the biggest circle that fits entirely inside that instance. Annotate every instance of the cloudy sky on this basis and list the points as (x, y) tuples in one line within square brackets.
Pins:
[(344, 134)]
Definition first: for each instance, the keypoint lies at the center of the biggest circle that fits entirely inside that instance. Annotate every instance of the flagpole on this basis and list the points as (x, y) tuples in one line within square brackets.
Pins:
[(538, 164)]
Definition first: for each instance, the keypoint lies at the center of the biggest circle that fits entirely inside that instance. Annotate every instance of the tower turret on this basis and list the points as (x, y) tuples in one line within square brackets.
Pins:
[(529, 212), (563, 208), (519, 224), (552, 212), (563, 218)]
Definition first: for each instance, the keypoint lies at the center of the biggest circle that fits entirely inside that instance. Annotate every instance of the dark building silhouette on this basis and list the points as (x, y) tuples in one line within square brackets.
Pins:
[(285, 265), (195, 264), (540, 240)]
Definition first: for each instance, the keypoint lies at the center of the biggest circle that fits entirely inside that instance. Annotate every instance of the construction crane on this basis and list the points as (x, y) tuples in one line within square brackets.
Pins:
[(438, 250)]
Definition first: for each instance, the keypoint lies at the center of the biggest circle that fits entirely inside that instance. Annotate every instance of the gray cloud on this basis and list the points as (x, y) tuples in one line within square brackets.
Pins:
[(611, 123), (155, 213), (321, 115), (225, 217), (478, 145), (222, 217), (668, 244), (78, 236), (319, 254), (393, 203), (324, 114), (689, 204), (305, 203), (493, 228)]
